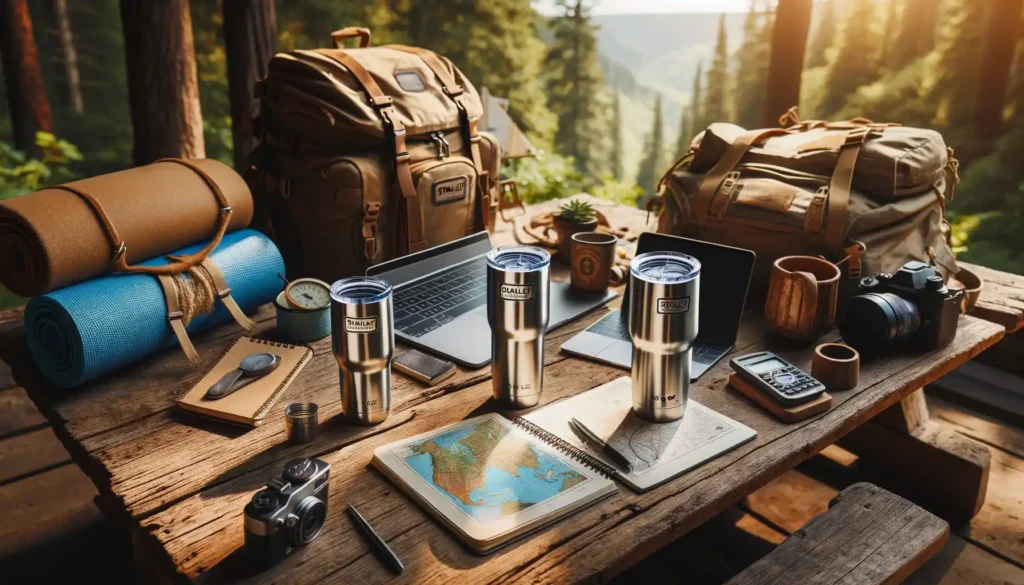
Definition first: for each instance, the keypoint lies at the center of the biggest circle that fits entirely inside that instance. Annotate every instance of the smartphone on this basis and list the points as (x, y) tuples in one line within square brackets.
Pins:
[(423, 368)]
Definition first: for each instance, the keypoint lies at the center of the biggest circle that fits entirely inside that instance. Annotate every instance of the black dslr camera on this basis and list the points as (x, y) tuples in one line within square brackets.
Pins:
[(912, 309), (288, 513)]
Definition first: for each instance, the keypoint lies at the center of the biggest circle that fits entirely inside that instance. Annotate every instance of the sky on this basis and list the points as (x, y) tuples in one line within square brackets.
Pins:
[(547, 7)]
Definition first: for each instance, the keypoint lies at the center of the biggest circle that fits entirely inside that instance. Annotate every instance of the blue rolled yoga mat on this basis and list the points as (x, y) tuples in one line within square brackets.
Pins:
[(78, 333)]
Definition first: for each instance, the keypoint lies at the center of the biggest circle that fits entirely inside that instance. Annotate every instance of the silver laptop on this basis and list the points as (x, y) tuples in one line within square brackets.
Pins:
[(724, 280), (440, 300)]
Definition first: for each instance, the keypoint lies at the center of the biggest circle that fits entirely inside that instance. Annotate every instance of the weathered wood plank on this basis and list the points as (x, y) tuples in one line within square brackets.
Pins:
[(17, 413), (790, 500), (203, 530), (999, 526), (962, 563), (1002, 297), (978, 426), (869, 536), (30, 453), (37, 508)]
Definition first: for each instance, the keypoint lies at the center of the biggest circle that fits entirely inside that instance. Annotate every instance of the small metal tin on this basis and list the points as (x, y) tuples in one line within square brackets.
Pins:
[(301, 326), (301, 420)]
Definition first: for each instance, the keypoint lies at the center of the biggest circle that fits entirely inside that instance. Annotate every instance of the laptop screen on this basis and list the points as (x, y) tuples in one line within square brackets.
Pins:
[(724, 279)]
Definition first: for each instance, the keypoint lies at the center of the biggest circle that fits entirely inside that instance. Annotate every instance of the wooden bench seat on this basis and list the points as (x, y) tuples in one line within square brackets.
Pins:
[(868, 536)]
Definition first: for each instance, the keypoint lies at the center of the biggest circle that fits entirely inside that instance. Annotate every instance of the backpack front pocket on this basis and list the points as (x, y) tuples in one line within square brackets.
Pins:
[(447, 191)]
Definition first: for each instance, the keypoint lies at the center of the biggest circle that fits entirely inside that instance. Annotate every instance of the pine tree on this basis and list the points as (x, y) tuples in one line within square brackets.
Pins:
[(892, 18), (824, 36), (916, 36), (651, 165), (856, 60), (696, 97), (1002, 34), (752, 67), (955, 89), (618, 166), (716, 96), (575, 89), (685, 129)]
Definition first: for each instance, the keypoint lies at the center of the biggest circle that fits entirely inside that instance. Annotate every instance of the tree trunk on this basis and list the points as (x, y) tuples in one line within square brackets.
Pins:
[(1003, 27), (69, 56), (789, 39), (250, 39), (30, 108), (163, 89)]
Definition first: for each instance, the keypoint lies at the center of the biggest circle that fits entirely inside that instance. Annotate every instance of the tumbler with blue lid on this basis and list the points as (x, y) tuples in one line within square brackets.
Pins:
[(517, 310), (363, 336), (664, 290)]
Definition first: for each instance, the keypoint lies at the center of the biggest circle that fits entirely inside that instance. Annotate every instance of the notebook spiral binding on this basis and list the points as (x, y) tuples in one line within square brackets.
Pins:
[(271, 343), (566, 447)]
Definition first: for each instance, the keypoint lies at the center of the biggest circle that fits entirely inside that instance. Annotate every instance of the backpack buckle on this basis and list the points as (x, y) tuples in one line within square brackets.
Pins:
[(370, 212)]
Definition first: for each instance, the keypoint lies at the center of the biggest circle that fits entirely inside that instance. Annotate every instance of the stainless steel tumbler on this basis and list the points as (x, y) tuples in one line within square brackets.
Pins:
[(664, 291), (362, 326), (517, 309)]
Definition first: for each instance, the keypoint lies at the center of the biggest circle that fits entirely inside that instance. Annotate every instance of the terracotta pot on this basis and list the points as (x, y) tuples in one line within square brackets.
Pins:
[(565, 230)]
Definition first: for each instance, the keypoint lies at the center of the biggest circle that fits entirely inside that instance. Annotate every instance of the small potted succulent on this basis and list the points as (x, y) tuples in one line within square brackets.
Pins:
[(573, 217)]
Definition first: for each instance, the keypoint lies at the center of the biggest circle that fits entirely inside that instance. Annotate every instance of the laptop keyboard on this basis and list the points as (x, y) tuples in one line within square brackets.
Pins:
[(428, 304), (615, 327)]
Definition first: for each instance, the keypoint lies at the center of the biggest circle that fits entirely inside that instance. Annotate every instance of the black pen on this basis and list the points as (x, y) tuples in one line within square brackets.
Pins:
[(380, 549), (588, 436)]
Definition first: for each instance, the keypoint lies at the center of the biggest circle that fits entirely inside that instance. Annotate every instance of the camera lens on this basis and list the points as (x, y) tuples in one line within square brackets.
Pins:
[(311, 513), (875, 320)]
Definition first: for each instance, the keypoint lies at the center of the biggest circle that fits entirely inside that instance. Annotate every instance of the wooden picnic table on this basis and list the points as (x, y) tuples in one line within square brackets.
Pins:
[(180, 484)]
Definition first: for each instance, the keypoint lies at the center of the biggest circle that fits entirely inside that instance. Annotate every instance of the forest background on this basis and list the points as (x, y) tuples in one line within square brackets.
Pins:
[(611, 100)]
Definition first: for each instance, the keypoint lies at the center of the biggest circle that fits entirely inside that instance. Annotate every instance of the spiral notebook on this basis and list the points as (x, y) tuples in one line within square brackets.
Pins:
[(250, 404), (491, 480)]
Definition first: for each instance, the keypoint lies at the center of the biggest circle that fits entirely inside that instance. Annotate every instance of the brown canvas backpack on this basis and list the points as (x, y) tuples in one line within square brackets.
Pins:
[(870, 196), (368, 154)]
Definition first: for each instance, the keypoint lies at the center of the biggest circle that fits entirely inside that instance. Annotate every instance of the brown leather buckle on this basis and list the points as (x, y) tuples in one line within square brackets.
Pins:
[(452, 92), (226, 210), (175, 315), (402, 157), (370, 212), (504, 203), (381, 102)]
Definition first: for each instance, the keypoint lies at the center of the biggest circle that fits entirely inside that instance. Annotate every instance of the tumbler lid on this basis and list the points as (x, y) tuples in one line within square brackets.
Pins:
[(360, 290), (665, 267), (517, 258)]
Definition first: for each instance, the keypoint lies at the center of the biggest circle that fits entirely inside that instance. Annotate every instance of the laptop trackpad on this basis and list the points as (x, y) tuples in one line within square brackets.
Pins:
[(568, 305), (467, 339)]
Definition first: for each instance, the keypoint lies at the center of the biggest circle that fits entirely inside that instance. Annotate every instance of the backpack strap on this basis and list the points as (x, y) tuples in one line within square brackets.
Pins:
[(709, 187), (119, 258), (469, 124), (383, 104)]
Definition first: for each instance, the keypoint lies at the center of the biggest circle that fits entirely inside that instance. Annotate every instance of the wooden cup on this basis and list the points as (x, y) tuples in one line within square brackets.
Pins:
[(836, 365), (802, 297), (593, 256)]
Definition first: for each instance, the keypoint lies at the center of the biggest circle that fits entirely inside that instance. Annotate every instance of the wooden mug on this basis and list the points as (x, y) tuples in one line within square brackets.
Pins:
[(802, 297)]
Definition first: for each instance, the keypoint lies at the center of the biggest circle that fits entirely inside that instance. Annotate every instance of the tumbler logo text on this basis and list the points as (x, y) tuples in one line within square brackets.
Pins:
[(360, 324), (672, 306), (516, 292)]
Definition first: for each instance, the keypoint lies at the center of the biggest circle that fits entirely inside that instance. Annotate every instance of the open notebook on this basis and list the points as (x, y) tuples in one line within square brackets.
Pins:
[(491, 480)]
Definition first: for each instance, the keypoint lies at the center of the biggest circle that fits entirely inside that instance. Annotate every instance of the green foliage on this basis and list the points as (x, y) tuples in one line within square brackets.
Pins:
[(956, 86), (618, 191), (577, 211), (618, 164), (856, 61), (21, 174), (545, 177), (575, 90), (695, 113), (824, 35), (916, 36), (652, 163), (684, 138), (716, 95), (752, 67), (212, 69)]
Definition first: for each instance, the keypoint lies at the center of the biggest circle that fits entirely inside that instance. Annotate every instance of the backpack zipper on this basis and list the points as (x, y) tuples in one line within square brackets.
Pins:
[(443, 147)]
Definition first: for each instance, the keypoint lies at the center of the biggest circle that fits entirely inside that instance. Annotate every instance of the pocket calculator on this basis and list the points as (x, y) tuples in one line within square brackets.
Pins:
[(777, 377)]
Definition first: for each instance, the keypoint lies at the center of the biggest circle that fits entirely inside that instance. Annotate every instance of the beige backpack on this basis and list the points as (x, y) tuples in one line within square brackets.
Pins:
[(869, 196), (368, 154)]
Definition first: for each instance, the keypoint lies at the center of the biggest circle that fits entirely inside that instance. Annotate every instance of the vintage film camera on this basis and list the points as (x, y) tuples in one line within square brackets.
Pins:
[(288, 513), (909, 310)]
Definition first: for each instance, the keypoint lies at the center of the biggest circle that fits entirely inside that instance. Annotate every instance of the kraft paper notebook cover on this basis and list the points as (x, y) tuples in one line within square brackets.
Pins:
[(250, 404)]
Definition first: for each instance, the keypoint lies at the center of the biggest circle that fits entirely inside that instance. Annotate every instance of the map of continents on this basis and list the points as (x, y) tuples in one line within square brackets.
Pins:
[(489, 472)]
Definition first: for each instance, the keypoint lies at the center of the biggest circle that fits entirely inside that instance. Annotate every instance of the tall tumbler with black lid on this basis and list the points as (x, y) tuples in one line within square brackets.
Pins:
[(664, 289), (363, 335), (517, 310)]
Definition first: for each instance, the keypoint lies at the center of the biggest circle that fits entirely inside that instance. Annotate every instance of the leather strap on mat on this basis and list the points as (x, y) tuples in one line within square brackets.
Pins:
[(383, 105), (175, 316), (120, 247)]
